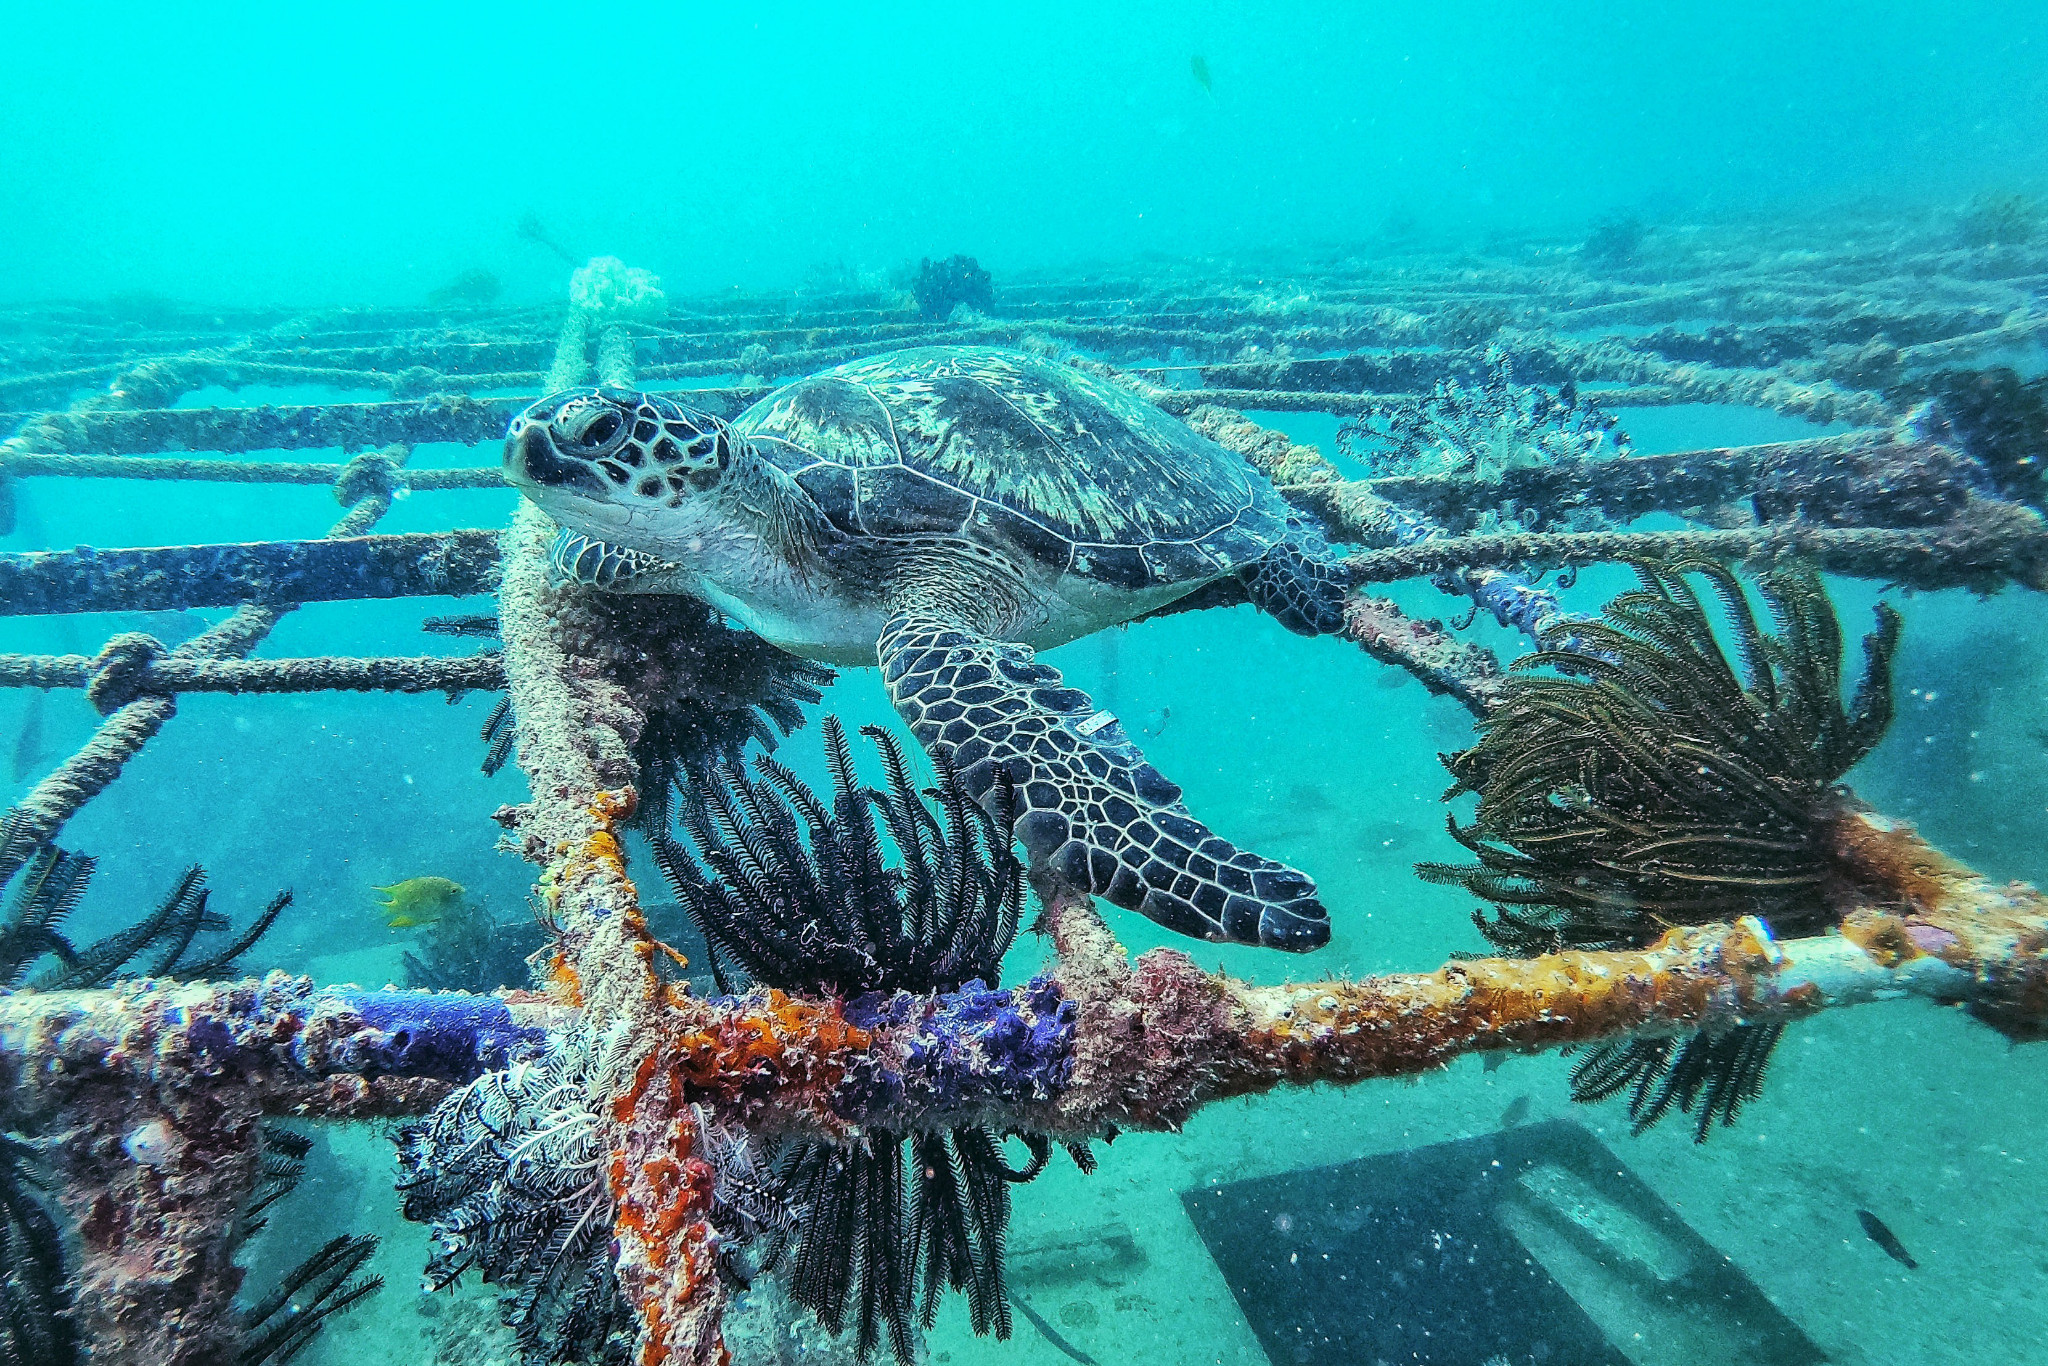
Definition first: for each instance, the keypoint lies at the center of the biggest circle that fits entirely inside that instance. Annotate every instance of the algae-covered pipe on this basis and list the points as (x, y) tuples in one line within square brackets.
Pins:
[(1101, 1042), (169, 578), (297, 1049)]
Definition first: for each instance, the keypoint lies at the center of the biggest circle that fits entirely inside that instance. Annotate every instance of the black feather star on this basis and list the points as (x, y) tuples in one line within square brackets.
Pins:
[(1650, 780), (709, 690), (280, 1325), (283, 1166), (500, 735), (686, 736), (509, 1172), (795, 893), (35, 1324), (47, 883)]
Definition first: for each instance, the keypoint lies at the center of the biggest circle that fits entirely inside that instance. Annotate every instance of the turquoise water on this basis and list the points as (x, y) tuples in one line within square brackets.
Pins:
[(232, 154), (225, 158)]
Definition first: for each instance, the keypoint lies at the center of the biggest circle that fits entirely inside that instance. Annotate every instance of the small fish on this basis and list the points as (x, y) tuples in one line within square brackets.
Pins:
[(1886, 1239), (420, 901), (1517, 1111), (1198, 66), (1155, 722), (1387, 680), (1052, 1334)]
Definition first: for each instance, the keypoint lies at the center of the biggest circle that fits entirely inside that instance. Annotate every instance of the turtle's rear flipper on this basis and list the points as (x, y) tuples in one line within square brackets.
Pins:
[(1299, 586), (1089, 807)]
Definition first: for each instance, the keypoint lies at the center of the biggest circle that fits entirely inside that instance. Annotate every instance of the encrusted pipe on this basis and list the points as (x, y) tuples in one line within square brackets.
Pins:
[(1860, 478), (1102, 1041), (1996, 543), (148, 1099), (159, 578), (464, 421), (1471, 674), (1106, 1043), (293, 1048), (1182, 401), (229, 471)]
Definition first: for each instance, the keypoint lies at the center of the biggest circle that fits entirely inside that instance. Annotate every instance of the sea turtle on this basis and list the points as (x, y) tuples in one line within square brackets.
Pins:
[(947, 510)]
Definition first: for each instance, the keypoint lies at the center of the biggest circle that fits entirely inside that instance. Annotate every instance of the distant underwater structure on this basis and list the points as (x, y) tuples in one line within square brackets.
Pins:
[(1672, 873)]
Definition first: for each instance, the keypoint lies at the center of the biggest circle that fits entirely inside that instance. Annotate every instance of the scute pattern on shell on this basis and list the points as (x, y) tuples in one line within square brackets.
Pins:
[(1013, 449)]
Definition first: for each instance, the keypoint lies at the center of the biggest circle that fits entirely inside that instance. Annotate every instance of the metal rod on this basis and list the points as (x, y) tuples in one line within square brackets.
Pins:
[(147, 431), (1966, 553), (232, 471), (415, 564), (1105, 1043), (1866, 478), (334, 1052)]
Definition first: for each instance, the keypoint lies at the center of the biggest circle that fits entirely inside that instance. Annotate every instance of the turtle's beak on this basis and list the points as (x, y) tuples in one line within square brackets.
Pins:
[(532, 462)]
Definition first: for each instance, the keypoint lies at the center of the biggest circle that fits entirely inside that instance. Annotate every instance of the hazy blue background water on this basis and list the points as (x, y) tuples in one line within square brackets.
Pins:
[(368, 152)]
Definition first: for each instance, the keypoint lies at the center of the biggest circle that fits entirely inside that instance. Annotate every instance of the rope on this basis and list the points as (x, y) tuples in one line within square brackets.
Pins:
[(129, 724), (571, 362), (121, 672), (615, 356), (366, 487), (133, 666)]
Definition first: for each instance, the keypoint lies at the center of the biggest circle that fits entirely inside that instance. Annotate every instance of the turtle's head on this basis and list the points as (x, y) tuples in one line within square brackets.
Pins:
[(598, 457)]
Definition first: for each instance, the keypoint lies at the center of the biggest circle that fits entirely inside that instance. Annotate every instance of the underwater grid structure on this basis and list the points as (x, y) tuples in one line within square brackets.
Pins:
[(162, 1085)]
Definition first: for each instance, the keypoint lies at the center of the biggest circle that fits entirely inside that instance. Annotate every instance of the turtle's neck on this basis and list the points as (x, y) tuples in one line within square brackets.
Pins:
[(756, 495), (758, 552)]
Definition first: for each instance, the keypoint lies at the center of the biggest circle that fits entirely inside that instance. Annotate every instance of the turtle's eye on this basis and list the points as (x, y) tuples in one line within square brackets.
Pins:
[(597, 429), (586, 427)]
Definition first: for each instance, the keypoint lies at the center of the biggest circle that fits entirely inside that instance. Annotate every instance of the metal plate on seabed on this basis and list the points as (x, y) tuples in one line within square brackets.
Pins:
[(1530, 1247)]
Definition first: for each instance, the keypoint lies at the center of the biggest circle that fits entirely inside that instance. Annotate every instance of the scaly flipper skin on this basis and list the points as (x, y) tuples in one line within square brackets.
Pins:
[(1090, 807), (1298, 585)]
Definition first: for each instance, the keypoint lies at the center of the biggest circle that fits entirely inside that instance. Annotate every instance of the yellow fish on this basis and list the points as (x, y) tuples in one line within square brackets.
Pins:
[(420, 901)]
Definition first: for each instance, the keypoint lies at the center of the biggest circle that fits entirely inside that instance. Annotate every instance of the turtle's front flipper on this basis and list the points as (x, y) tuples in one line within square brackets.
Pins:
[(1089, 806), (1299, 585)]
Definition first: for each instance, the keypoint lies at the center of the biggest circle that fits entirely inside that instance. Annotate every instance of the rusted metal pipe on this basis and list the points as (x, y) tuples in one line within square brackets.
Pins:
[(154, 578)]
